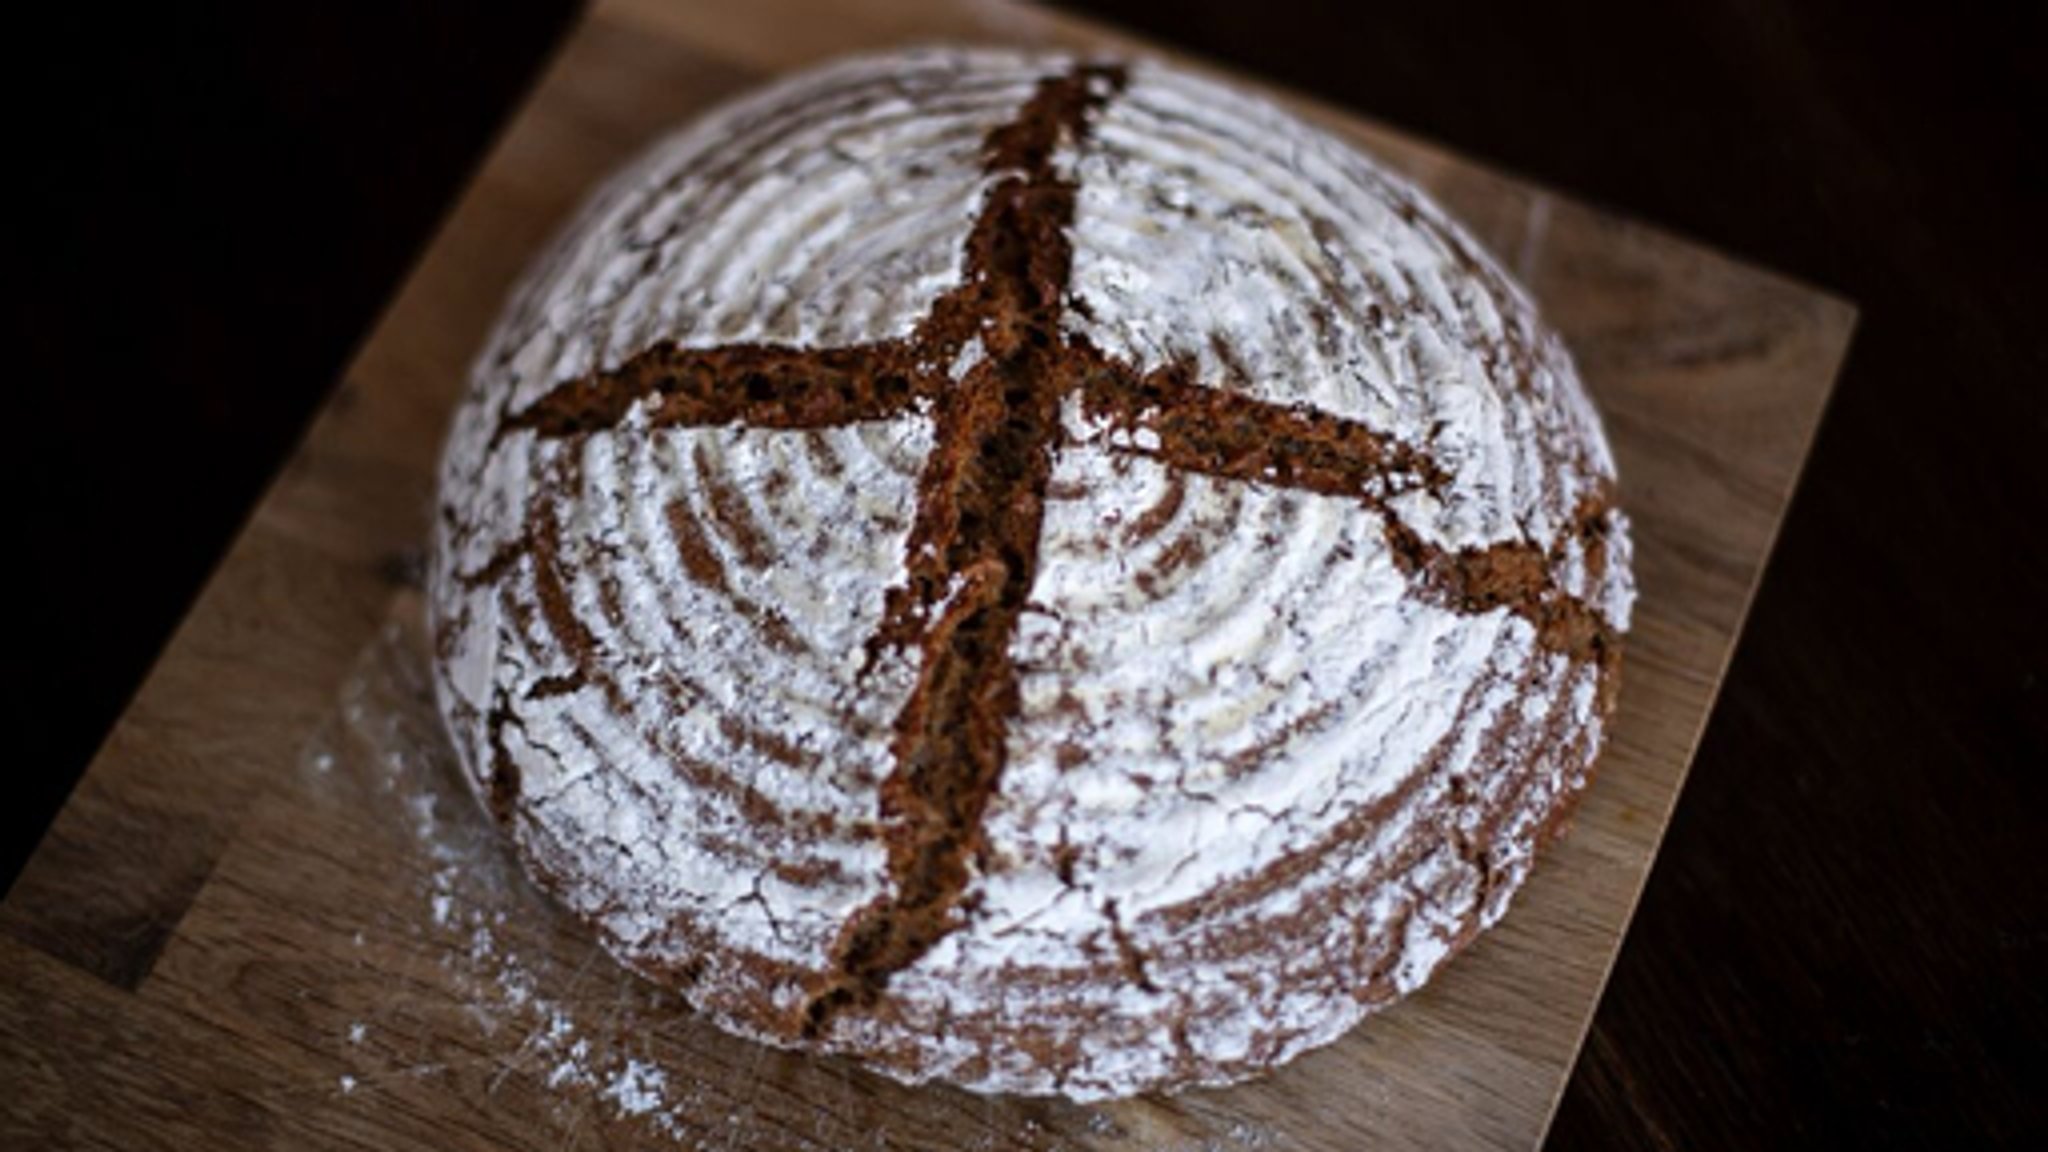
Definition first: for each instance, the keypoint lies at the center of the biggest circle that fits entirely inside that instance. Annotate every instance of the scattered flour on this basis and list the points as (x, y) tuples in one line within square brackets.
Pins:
[(637, 1088)]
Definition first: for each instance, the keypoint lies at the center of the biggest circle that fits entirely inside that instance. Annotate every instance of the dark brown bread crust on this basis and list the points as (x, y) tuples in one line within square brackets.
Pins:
[(971, 561)]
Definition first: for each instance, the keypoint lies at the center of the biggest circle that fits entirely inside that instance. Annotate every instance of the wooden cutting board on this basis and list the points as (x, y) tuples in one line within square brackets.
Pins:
[(268, 917)]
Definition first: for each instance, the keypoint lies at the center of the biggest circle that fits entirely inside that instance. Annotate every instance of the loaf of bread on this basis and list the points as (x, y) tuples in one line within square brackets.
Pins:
[(1051, 575)]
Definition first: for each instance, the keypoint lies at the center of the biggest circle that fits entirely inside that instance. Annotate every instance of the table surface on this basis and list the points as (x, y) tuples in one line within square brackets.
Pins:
[(1845, 933)]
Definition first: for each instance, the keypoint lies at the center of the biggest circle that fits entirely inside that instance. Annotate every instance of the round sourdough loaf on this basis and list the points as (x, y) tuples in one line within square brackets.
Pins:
[(1053, 575)]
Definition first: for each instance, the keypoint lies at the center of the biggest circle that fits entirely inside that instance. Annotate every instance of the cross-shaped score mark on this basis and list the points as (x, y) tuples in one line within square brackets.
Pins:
[(973, 544)]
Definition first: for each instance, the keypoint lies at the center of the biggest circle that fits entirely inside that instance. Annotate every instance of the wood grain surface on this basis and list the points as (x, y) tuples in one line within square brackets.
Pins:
[(246, 875)]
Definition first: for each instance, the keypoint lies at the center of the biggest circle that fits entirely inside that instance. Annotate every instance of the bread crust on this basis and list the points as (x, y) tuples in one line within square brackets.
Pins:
[(1052, 575)]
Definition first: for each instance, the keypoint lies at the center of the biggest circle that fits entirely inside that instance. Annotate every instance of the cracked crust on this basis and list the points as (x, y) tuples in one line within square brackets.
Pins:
[(1030, 687)]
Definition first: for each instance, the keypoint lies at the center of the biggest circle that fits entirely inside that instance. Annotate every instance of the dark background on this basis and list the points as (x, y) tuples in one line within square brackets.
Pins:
[(1843, 942)]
